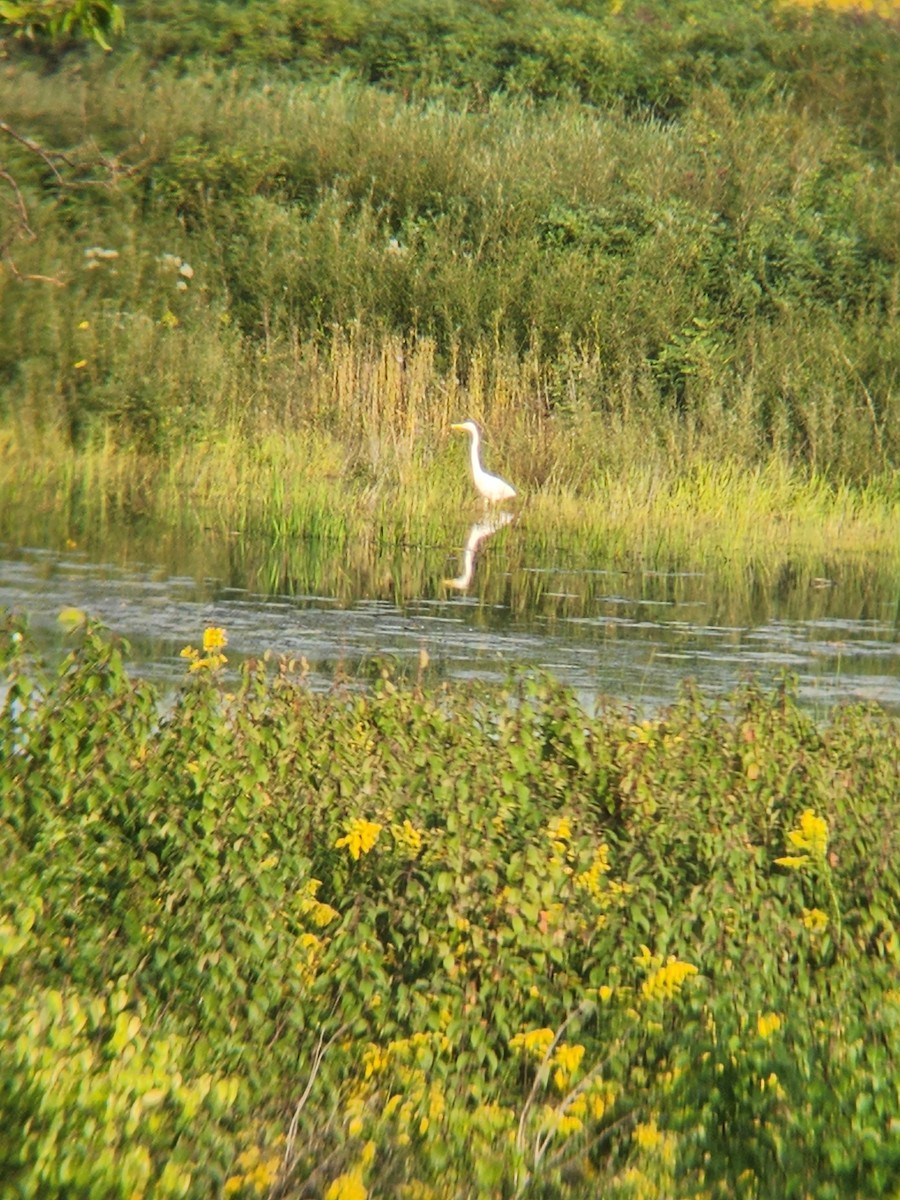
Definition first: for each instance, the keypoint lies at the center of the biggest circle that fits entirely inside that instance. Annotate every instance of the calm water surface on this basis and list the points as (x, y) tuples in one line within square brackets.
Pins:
[(481, 608)]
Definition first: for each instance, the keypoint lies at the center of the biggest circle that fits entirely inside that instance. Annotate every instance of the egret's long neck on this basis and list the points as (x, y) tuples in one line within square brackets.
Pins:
[(473, 454)]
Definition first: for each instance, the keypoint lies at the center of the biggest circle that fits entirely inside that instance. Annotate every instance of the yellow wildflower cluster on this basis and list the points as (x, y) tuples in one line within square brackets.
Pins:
[(375, 1059), (418, 1107), (407, 839), (348, 1186), (360, 837), (561, 1121), (655, 1141), (253, 1173), (767, 1024), (665, 978), (211, 657), (566, 1060), (583, 1103), (592, 880), (319, 913), (535, 1043), (405, 1064), (420, 1048), (559, 831), (310, 949), (811, 836), (564, 1064), (814, 920)]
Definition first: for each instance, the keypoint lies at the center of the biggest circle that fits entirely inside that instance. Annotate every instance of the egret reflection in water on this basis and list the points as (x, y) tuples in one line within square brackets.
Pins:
[(477, 534)]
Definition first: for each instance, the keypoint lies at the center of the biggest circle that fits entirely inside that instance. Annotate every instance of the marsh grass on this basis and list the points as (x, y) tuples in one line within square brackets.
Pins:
[(680, 336), (283, 493)]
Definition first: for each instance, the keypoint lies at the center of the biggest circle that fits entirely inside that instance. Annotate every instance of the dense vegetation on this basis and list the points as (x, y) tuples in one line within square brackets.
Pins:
[(418, 940), (433, 941), (627, 236)]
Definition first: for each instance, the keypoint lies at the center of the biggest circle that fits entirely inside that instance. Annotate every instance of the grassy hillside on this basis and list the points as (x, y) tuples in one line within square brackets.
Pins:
[(631, 239)]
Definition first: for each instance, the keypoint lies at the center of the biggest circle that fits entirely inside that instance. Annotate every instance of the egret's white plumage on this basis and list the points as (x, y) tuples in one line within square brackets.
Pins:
[(492, 487)]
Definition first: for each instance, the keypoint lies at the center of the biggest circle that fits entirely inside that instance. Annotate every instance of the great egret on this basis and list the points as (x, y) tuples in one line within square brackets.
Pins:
[(492, 487)]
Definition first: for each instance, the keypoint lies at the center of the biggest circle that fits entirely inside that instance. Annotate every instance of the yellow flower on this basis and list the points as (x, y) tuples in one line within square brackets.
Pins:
[(320, 913), (566, 1060), (793, 861), (360, 837), (815, 920), (667, 980), (647, 1135), (348, 1186), (213, 641), (566, 1124), (407, 838), (375, 1060), (591, 880), (214, 638), (535, 1043), (767, 1024), (811, 836), (561, 831), (646, 958)]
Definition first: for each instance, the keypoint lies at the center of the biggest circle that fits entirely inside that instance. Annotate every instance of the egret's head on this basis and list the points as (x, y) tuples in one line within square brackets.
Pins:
[(467, 427)]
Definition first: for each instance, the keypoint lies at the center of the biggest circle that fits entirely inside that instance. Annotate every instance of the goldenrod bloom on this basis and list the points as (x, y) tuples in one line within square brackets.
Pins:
[(815, 920), (360, 837), (212, 658), (667, 980), (535, 1043), (214, 638), (566, 1060), (348, 1186), (407, 838), (811, 836), (647, 1135), (767, 1024)]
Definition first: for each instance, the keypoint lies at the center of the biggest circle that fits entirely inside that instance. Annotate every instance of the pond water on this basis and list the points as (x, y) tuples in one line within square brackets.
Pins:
[(482, 606)]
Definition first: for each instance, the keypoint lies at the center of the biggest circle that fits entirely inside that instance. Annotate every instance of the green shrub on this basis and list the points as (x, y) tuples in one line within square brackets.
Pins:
[(429, 939)]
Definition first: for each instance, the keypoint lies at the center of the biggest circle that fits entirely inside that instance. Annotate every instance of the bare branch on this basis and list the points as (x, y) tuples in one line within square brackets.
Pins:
[(70, 174)]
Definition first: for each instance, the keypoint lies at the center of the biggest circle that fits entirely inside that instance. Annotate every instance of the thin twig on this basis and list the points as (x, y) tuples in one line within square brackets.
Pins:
[(541, 1077), (20, 226), (46, 156), (31, 277), (18, 202), (560, 1163), (319, 1053)]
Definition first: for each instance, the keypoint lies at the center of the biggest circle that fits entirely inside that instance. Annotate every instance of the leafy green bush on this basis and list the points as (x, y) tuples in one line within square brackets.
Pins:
[(677, 221), (60, 21), (422, 940)]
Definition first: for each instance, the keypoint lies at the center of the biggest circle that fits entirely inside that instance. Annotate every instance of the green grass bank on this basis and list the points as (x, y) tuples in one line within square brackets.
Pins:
[(250, 256)]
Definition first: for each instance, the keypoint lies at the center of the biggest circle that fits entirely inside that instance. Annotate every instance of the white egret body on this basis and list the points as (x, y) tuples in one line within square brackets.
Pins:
[(492, 487)]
